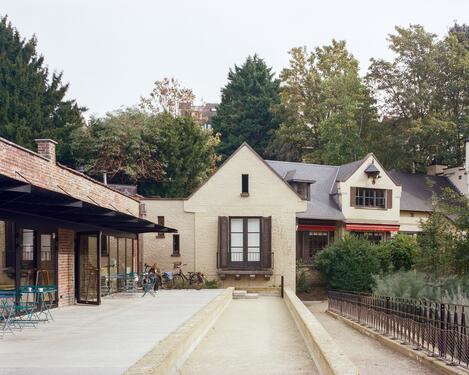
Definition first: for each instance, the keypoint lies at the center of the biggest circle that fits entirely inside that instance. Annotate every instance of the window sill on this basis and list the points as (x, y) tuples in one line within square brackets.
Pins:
[(176, 255), (244, 195), (371, 208)]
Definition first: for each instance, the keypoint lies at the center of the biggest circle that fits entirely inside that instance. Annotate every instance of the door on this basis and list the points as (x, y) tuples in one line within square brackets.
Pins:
[(88, 268), (245, 246)]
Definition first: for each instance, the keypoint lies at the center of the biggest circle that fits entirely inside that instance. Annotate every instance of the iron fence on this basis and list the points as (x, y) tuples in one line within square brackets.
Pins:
[(439, 329)]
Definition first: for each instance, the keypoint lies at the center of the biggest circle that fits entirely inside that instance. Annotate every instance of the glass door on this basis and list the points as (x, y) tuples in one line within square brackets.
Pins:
[(88, 268)]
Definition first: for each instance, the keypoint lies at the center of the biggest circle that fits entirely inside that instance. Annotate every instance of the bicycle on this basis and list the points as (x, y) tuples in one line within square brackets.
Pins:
[(180, 280)]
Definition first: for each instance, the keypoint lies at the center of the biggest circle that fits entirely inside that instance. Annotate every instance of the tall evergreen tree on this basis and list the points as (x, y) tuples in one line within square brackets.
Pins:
[(245, 113), (32, 102)]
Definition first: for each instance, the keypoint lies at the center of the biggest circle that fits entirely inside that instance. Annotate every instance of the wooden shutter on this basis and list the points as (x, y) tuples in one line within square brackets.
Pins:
[(266, 242), (388, 198), (353, 193), (223, 241)]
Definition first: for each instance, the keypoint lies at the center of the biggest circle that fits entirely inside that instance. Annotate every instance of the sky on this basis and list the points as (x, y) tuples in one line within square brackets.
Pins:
[(112, 51)]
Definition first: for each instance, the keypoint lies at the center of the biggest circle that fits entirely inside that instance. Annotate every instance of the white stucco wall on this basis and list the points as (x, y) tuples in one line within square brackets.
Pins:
[(360, 179), (268, 196), (159, 250), (410, 221)]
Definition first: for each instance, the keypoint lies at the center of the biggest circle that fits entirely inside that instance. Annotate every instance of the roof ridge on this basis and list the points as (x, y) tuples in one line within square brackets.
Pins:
[(301, 163)]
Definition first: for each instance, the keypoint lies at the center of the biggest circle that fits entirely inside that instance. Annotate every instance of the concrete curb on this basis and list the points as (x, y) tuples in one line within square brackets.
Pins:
[(170, 353), (432, 363), (329, 359)]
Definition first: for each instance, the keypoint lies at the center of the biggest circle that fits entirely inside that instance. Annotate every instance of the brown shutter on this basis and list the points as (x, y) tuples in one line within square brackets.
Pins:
[(223, 241), (388, 198), (353, 193), (266, 242)]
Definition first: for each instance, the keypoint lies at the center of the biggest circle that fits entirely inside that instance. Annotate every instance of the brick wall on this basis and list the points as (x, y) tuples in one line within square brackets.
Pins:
[(40, 171), (66, 267)]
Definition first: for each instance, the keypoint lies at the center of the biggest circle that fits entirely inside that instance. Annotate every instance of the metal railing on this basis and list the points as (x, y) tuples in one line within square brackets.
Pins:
[(439, 329)]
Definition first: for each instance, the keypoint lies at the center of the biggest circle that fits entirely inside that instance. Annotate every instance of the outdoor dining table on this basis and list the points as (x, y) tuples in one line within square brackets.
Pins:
[(7, 310), (40, 305)]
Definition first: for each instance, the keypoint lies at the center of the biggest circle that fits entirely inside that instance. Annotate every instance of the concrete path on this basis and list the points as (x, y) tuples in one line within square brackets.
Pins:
[(103, 340), (370, 356), (252, 337)]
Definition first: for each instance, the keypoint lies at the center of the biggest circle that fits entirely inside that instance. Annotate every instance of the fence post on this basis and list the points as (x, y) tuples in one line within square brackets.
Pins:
[(387, 307), (281, 286), (442, 338)]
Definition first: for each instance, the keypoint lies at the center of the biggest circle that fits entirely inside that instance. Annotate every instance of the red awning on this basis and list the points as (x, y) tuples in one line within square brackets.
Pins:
[(318, 227), (372, 228)]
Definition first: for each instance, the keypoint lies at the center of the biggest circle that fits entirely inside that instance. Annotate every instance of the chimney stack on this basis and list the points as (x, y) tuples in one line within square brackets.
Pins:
[(46, 148)]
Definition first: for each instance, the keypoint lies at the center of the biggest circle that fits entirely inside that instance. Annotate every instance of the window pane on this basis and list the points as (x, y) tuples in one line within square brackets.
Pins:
[(253, 239), (28, 244), (254, 254), (46, 241), (237, 239), (253, 225), (237, 225), (236, 254)]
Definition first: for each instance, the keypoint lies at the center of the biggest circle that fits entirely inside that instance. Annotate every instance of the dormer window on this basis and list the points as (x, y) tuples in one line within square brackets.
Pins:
[(302, 188), (244, 185)]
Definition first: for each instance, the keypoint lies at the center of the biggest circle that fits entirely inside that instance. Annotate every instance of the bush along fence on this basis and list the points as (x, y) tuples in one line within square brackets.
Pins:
[(438, 328)]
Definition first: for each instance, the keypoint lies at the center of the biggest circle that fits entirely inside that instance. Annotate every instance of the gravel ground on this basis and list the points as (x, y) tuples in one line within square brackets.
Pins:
[(252, 337), (370, 356)]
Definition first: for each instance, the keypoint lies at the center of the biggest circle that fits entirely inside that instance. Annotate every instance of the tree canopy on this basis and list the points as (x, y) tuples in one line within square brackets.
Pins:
[(162, 154), (32, 101), (327, 110), (246, 109), (424, 98)]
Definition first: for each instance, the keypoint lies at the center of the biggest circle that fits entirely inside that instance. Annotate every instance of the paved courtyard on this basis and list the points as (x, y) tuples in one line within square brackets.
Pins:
[(255, 337), (104, 339)]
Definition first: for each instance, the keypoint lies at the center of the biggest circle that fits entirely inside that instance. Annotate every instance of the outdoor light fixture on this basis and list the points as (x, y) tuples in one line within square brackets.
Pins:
[(372, 172)]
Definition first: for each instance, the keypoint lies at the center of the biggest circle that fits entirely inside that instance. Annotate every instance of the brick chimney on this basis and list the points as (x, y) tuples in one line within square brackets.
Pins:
[(46, 148)]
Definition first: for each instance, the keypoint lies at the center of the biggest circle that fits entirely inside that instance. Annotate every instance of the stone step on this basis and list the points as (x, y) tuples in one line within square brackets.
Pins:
[(242, 294), (251, 295), (239, 293)]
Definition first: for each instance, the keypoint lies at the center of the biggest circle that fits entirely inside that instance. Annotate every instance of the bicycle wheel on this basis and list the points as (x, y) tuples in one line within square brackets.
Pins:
[(179, 282), (197, 280)]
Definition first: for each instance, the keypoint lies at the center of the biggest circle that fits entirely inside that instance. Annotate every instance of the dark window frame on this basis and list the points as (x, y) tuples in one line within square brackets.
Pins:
[(176, 245), (244, 185), (370, 198), (245, 263), (160, 222)]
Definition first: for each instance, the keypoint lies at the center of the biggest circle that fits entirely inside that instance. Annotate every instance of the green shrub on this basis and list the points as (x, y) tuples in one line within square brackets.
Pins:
[(302, 283), (412, 284), (349, 263), (401, 251), (211, 284)]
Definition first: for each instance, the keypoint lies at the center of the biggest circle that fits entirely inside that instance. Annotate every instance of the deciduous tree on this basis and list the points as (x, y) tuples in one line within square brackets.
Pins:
[(327, 110)]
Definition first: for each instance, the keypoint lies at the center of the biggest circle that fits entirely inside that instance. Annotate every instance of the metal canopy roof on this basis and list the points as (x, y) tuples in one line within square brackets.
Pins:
[(26, 202)]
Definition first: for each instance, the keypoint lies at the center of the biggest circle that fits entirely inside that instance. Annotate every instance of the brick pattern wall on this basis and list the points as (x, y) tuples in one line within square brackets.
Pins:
[(18, 161), (66, 266)]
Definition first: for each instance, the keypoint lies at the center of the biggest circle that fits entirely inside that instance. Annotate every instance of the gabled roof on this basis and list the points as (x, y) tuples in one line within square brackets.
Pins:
[(245, 144), (321, 204), (418, 189)]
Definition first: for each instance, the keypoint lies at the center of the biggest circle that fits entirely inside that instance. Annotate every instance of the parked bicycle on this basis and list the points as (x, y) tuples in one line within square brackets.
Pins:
[(180, 280)]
